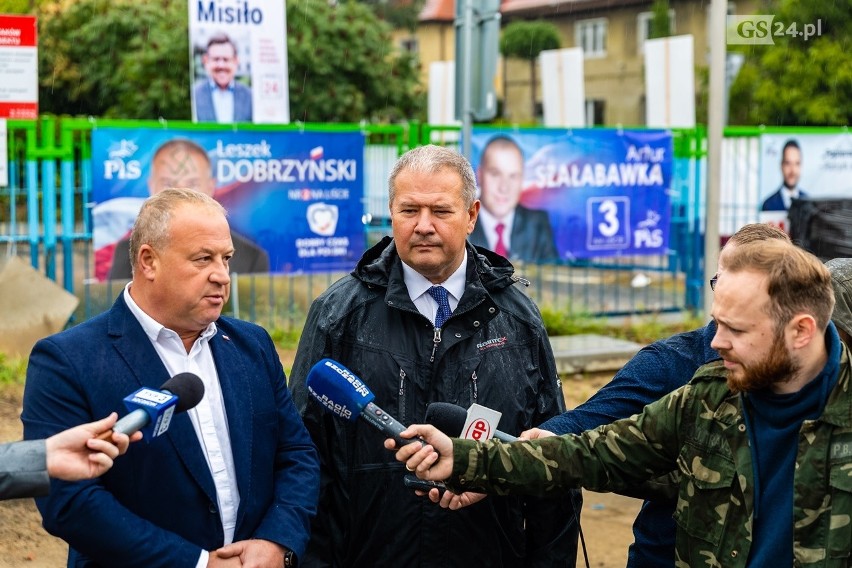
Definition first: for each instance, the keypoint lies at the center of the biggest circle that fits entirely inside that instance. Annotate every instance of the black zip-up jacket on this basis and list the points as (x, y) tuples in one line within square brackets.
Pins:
[(494, 351)]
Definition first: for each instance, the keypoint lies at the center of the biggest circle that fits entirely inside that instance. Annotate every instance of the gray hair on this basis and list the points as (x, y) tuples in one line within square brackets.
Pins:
[(152, 224), (431, 159)]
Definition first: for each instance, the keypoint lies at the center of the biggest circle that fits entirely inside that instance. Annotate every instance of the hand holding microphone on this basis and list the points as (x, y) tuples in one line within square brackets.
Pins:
[(76, 453), (432, 461), (475, 424), (151, 410), (341, 392)]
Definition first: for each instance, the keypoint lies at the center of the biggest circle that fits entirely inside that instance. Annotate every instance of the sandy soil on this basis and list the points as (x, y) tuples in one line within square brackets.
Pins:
[(606, 519)]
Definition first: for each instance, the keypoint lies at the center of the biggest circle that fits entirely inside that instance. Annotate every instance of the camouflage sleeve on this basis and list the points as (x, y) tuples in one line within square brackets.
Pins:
[(610, 458)]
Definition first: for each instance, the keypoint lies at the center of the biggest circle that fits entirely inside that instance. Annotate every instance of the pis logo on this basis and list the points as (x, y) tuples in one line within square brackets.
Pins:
[(119, 165), (479, 429)]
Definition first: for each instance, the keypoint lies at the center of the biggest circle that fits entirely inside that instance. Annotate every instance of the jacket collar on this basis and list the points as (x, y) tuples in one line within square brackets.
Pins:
[(838, 409), (381, 263)]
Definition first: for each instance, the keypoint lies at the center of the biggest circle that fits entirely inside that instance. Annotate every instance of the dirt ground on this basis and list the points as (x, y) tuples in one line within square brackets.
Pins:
[(605, 520)]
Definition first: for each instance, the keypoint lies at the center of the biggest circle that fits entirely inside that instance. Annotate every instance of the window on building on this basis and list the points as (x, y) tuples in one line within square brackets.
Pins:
[(643, 28), (591, 36), (595, 112), (410, 45)]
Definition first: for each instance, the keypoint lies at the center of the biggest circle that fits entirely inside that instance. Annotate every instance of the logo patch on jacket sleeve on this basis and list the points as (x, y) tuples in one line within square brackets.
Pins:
[(492, 343), (841, 448)]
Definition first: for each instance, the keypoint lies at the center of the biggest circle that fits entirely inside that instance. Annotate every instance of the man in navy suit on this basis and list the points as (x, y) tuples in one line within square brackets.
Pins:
[(504, 226), (233, 480), (791, 170), (219, 98)]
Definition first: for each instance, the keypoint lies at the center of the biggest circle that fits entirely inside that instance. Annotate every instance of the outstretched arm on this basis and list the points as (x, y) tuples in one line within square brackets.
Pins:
[(76, 453)]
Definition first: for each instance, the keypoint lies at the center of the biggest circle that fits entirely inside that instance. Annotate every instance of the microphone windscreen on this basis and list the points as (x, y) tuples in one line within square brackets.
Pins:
[(446, 417), (188, 388), (338, 389)]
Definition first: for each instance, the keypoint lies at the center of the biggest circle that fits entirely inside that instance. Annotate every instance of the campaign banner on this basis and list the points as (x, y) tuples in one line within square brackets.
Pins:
[(802, 165), (604, 192), (238, 61), (295, 198), (18, 67)]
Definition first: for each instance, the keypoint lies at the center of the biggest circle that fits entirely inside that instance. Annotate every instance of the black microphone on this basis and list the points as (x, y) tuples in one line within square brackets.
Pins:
[(450, 419), (151, 410), (341, 392)]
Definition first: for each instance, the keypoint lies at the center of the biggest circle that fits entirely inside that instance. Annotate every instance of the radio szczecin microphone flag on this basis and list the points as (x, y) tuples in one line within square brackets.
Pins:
[(151, 410), (341, 392)]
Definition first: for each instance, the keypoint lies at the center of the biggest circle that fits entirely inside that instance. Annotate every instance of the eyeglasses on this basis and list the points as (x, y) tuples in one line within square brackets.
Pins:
[(713, 282)]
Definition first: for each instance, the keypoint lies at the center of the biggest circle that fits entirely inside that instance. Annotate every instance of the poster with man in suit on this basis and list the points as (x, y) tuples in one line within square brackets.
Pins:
[(238, 61), (555, 195), (801, 167)]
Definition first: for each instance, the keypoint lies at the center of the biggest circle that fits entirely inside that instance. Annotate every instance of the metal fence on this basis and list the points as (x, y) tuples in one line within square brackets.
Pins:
[(45, 216)]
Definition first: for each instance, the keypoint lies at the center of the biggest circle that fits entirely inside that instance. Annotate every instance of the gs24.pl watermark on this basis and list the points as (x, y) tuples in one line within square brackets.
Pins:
[(762, 30)]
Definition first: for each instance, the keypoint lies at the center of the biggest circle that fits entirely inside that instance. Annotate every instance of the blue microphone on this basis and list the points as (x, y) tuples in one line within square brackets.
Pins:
[(341, 392), (151, 410)]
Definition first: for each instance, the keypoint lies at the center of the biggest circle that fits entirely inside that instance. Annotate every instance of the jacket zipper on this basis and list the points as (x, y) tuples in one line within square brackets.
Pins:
[(436, 339), (401, 412), (474, 389)]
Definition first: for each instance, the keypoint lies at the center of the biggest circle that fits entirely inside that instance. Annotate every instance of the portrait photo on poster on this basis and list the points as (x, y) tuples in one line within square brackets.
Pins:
[(796, 169), (221, 80)]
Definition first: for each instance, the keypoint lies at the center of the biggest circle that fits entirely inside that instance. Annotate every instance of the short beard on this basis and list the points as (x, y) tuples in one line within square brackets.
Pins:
[(777, 367)]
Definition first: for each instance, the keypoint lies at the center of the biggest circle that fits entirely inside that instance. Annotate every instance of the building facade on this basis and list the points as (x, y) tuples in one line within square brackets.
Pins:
[(612, 34)]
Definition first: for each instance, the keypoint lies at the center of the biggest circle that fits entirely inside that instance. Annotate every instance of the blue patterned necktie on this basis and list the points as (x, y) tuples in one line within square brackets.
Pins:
[(439, 293)]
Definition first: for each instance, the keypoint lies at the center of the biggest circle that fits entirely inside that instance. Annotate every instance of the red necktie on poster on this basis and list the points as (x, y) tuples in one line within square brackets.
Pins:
[(500, 247)]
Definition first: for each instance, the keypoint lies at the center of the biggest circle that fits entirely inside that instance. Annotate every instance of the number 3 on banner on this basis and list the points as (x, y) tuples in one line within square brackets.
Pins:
[(610, 224)]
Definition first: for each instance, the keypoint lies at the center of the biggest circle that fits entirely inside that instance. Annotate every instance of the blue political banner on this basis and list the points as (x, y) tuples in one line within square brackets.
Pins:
[(295, 196), (604, 192)]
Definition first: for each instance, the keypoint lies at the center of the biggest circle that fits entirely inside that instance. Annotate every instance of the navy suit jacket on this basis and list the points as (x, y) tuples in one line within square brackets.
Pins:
[(776, 203), (532, 236), (157, 506), (204, 110)]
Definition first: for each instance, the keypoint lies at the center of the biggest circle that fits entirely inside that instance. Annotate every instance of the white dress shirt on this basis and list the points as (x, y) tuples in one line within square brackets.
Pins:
[(418, 287), (223, 102), (787, 195), (208, 417)]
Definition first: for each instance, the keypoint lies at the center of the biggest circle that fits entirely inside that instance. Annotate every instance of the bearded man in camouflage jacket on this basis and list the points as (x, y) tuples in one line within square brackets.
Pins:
[(762, 438)]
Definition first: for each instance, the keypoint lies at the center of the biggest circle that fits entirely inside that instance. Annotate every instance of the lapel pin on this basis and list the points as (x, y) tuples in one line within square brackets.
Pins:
[(225, 337)]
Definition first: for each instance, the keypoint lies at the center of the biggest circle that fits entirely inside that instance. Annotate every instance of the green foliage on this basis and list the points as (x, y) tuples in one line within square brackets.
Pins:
[(285, 338), (526, 40), (564, 322), (649, 329), (661, 25), (797, 82), (13, 370), (639, 329), (15, 6), (397, 13), (344, 68), (114, 58)]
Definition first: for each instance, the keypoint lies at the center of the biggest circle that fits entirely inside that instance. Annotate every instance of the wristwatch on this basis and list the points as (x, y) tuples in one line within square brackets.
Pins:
[(290, 559)]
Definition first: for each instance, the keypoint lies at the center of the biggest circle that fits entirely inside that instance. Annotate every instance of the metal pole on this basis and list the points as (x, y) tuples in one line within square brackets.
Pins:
[(467, 63), (715, 128)]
